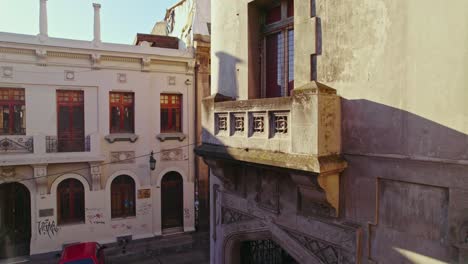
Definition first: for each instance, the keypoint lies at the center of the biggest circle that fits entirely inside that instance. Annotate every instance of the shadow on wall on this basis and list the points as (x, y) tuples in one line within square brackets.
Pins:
[(228, 75), (373, 128), (410, 173)]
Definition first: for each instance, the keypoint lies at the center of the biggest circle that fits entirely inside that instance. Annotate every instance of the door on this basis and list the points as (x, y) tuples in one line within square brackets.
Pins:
[(15, 220), (70, 118), (172, 200)]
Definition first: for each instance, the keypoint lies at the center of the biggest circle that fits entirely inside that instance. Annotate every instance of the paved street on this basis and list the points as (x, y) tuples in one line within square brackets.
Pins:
[(172, 249)]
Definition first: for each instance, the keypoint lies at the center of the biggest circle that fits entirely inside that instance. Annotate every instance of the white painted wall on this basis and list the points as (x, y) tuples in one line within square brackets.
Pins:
[(147, 82)]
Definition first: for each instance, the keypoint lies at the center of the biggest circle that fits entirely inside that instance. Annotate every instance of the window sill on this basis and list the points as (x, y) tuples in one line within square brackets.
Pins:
[(71, 224), (171, 136), (111, 138)]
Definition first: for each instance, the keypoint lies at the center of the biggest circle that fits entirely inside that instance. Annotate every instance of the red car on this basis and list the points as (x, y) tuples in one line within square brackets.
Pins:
[(83, 253)]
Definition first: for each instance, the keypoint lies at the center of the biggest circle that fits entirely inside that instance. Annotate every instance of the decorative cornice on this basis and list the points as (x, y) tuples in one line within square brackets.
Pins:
[(17, 51), (68, 55), (120, 59)]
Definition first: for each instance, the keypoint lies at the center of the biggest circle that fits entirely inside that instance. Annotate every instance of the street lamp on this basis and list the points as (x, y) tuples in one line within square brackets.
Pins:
[(152, 161)]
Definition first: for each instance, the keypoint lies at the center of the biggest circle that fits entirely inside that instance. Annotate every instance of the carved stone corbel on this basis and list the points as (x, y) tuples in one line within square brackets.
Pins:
[(191, 66), (145, 63), (7, 174), (41, 55), (95, 60), (318, 193)]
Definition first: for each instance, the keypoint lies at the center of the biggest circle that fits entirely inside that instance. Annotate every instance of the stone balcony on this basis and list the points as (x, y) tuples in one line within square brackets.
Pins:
[(40, 149), (301, 133)]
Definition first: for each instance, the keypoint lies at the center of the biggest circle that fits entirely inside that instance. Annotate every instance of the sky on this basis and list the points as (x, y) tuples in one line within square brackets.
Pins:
[(121, 20)]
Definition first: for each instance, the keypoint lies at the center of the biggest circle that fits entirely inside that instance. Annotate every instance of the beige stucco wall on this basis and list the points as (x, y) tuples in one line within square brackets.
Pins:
[(147, 81), (399, 67)]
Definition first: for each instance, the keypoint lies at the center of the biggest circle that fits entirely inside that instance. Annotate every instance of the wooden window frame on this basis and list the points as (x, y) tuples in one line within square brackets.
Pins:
[(73, 187), (123, 187), (76, 141), (169, 104), (283, 26), (11, 102), (121, 105)]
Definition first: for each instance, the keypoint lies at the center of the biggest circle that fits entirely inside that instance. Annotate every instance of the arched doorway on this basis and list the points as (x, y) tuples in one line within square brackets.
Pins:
[(15, 220), (172, 202)]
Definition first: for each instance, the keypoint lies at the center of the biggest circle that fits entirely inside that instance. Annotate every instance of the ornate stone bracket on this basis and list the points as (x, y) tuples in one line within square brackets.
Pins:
[(41, 55), (145, 64), (95, 60), (320, 193)]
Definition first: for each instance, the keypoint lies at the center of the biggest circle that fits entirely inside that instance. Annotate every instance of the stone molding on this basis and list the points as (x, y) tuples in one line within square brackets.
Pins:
[(111, 138), (230, 216), (171, 136)]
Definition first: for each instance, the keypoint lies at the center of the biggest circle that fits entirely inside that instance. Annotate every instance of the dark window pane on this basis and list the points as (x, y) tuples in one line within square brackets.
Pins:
[(128, 119), (274, 65), (12, 110), (290, 61), (5, 118), (121, 112), (64, 118), (115, 119)]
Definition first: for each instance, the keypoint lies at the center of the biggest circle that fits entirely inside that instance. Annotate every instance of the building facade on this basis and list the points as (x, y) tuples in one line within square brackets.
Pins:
[(80, 121), (189, 21), (336, 132)]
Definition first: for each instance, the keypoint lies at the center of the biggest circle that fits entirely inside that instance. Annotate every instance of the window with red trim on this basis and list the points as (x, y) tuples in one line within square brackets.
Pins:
[(70, 202), (171, 113), (278, 61), (121, 112), (123, 197), (12, 111), (70, 121)]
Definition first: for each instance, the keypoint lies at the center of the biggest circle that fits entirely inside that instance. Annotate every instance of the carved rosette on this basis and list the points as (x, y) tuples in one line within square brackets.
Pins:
[(123, 157), (172, 155)]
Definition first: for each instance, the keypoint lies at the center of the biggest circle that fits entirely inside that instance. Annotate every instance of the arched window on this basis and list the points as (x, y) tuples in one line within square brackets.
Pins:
[(123, 197), (70, 202)]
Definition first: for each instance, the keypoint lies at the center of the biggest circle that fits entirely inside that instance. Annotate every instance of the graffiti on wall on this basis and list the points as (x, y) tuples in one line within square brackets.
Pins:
[(47, 227), (186, 213), (95, 216)]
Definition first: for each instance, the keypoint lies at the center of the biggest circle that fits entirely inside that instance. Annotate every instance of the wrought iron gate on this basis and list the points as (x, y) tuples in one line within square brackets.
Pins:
[(264, 252)]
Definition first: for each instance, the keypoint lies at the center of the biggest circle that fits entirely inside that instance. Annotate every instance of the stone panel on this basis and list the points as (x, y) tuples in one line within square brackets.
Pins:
[(414, 209)]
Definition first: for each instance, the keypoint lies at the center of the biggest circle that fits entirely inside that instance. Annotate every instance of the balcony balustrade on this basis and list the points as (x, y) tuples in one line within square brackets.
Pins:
[(306, 123), (299, 134)]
